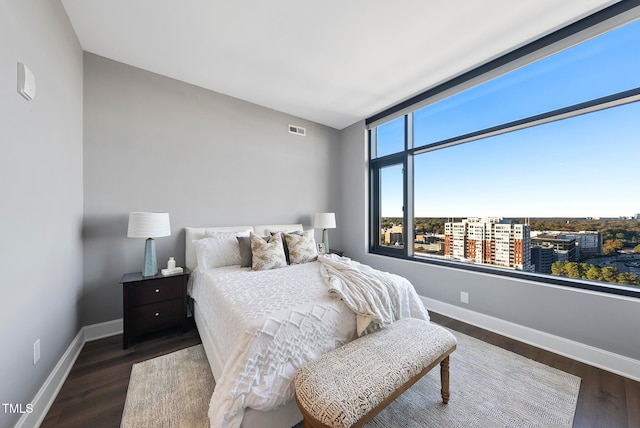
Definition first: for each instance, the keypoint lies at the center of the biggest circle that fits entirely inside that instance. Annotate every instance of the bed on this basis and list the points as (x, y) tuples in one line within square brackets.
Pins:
[(258, 327)]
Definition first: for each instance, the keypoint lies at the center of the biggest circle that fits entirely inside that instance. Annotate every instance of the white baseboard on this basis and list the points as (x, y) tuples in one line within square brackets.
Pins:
[(609, 361), (104, 329), (45, 397)]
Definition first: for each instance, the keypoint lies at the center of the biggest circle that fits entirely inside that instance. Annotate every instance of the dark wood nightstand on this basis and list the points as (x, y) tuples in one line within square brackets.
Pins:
[(153, 303), (338, 252)]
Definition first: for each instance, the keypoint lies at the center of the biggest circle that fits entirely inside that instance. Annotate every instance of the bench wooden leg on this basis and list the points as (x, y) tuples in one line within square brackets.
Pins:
[(444, 379)]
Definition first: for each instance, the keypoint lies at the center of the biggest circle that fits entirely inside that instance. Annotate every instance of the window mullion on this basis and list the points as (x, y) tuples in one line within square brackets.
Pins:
[(408, 188)]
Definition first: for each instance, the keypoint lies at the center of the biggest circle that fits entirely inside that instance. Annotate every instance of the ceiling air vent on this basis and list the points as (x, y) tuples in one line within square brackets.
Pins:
[(299, 130)]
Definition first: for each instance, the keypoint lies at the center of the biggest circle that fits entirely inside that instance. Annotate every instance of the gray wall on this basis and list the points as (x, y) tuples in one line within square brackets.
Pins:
[(156, 144), (600, 320), (41, 178)]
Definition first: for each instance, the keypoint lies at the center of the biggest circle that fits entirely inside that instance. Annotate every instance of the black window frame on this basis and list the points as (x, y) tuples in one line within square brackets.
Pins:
[(376, 165), (406, 156)]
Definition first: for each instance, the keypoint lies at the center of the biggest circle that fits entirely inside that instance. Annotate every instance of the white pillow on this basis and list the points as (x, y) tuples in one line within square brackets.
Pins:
[(218, 249)]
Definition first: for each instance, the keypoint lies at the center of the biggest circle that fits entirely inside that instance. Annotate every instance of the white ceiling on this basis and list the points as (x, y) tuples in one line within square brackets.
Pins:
[(334, 62)]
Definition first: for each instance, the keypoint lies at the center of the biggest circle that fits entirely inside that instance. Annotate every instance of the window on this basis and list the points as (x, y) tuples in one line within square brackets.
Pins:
[(530, 173), (391, 206), (390, 138)]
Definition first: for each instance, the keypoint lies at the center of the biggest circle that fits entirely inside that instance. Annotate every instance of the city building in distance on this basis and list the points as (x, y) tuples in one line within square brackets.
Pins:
[(570, 246), (609, 252), (489, 241)]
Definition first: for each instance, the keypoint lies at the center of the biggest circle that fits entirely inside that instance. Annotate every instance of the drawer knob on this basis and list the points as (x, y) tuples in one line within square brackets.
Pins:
[(157, 314), (157, 290)]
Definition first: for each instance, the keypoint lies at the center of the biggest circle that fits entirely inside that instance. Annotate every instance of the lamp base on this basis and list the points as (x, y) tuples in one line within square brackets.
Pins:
[(325, 240), (150, 267)]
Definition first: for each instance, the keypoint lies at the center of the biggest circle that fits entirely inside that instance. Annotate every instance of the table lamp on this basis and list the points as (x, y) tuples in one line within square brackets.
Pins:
[(324, 221), (149, 226)]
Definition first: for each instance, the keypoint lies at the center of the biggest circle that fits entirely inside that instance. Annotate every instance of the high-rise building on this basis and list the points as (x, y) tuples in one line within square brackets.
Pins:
[(491, 241), (542, 258)]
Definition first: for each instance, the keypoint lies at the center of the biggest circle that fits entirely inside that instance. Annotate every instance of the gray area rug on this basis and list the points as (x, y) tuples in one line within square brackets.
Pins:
[(490, 387), (171, 391)]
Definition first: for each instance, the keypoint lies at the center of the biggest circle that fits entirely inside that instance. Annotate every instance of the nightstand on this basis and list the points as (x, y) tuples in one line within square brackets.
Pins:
[(153, 303), (337, 252)]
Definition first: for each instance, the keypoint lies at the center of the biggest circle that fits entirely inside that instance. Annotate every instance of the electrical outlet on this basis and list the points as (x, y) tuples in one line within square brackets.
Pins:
[(464, 297), (36, 351)]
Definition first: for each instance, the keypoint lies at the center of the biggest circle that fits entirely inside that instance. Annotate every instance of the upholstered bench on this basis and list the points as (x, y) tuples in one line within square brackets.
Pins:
[(348, 386)]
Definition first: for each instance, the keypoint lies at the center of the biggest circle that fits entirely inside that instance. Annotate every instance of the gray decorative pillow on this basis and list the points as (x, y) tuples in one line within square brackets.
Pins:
[(244, 242), (267, 255), (302, 247)]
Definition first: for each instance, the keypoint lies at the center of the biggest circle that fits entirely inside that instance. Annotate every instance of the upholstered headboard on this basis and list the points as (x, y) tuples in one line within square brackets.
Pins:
[(193, 233)]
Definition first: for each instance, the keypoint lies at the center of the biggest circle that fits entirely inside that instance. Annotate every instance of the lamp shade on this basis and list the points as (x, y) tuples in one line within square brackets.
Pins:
[(324, 221), (148, 225)]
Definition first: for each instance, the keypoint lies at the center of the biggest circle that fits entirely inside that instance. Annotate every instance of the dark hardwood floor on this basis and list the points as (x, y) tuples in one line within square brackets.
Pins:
[(94, 393), (95, 390)]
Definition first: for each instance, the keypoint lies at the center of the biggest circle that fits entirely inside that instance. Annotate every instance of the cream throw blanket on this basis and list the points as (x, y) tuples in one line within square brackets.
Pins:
[(372, 294)]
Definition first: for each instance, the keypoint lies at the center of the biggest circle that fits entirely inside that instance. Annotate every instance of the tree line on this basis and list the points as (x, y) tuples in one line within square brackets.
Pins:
[(612, 229), (591, 272)]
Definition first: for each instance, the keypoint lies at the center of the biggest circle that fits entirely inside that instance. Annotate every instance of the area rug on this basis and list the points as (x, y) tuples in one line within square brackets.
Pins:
[(171, 391), (490, 387)]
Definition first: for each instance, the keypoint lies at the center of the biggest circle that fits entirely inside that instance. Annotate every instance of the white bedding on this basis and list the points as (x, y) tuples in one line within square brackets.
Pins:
[(267, 324), (373, 295)]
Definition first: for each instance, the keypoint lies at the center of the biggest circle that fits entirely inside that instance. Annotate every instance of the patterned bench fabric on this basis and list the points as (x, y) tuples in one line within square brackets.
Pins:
[(345, 384)]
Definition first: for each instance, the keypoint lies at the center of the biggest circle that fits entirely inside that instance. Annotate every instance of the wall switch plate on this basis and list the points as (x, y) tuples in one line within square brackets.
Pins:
[(36, 351), (26, 82), (464, 297)]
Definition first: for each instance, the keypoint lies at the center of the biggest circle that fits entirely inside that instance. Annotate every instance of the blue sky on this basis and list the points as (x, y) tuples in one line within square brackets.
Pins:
[(580, 167)]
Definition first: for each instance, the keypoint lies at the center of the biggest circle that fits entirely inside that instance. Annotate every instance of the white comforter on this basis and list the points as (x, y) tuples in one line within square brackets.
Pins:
[(269, 323)]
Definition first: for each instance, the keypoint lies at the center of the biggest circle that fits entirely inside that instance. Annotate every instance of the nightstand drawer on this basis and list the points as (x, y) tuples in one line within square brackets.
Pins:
[(153, 303), (149, 292), (156, 316)]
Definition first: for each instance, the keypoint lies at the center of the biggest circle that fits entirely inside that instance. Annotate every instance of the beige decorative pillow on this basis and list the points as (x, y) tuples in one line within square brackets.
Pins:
[(284, 241), (302, 247), (267, 255)]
